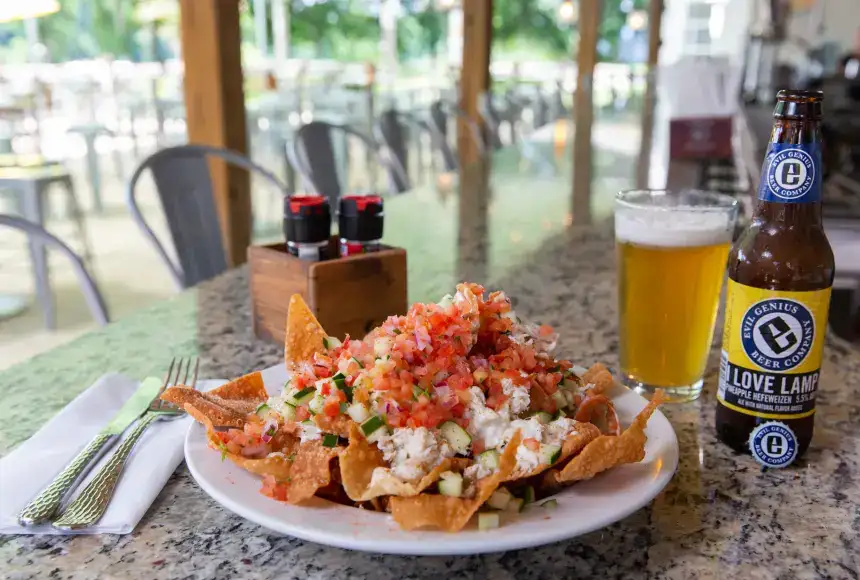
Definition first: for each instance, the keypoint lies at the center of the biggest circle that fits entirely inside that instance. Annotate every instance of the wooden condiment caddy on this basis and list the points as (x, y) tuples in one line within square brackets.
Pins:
[(348, 295)]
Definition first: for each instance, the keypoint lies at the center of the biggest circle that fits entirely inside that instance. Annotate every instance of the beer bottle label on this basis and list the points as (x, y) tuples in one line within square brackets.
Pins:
[(772, 347), (791, 173)]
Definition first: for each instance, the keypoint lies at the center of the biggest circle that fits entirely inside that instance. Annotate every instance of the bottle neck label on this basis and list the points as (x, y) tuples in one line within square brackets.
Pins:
[(791, 173)]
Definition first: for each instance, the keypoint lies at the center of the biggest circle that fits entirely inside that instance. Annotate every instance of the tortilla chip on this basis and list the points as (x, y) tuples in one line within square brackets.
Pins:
[(338, 425), (311, 470), (222, 412), (304, 334), (228, 405), (453, 513), (247, 388), (304, 467), (361, 458), (357, 463), (599, 376), (584, 434), (608, 451), (539, 400)]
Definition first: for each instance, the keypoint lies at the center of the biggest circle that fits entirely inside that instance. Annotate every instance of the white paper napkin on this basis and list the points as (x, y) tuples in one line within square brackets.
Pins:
[(31, 466)]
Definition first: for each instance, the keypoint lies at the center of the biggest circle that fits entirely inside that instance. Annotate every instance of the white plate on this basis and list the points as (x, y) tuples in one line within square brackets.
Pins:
[(582, 508)]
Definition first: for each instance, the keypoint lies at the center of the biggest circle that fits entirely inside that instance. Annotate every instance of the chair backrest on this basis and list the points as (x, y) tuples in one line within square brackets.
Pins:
[(439, 113), (312, 155), (492, 119), (184, 186), (34, 231), (392, 129)]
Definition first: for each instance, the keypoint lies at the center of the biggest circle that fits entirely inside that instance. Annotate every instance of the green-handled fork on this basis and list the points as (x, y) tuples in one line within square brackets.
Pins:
[(92, 502)]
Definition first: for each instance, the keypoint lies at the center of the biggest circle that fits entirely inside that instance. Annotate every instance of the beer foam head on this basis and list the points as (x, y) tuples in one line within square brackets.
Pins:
[(677, 228)]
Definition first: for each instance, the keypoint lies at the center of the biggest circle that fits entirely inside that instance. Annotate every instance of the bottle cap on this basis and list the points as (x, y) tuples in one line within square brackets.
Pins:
[(773, 444), (360, 217), (307, 219)]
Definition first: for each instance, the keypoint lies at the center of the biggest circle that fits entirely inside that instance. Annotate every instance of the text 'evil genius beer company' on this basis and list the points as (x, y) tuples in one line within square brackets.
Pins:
[(780, 274)]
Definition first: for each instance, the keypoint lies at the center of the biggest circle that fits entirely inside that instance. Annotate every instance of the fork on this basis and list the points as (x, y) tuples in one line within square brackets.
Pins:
[(91, 504)]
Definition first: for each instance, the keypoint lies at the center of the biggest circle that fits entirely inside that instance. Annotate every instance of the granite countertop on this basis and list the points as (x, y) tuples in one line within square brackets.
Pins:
[(721, 516)]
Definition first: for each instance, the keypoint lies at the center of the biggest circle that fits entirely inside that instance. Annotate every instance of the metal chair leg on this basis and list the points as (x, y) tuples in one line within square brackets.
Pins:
[(80, 223), (33, 210)]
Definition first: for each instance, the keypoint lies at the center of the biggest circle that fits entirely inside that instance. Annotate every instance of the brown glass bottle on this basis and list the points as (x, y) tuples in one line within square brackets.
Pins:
[(780, 272)]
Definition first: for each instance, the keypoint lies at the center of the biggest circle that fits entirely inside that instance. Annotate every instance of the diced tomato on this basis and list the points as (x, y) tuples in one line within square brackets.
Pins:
[(331, 408), (325, 389), (302, 413), (545, 330), (273, 489), (532, 443)]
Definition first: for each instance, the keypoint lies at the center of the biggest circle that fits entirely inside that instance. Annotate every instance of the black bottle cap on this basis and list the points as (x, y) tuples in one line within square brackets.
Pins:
[(360, 217), (307, 219)]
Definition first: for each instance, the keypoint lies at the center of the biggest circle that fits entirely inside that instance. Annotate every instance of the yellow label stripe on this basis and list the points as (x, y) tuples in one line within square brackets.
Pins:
[(764, 415)]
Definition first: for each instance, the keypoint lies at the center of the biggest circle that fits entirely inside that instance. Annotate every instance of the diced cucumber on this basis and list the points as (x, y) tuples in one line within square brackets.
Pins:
[(510, 315), (528, 495), (302, 397), (316, 404), (358, 362), (549, 453), (456, 437), (578, 371), (571, 398), (515, 505), (559, 399), (377, 435), (330, 342), (451, 484), (288, 412), (358, 412), (543, 417), (287, 384), (489, 459), (329, 440), (488, 521), (500, 499), (340, 382), (418, 391), (262, 410), (559, 414), (447, 300), (372, 425), (549, 504)]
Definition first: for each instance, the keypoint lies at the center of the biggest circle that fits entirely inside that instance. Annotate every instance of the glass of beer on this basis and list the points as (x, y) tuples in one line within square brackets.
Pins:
[(672, 249)]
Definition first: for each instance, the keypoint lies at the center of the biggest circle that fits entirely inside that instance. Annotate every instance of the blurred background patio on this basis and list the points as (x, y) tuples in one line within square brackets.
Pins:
[(91, 88)]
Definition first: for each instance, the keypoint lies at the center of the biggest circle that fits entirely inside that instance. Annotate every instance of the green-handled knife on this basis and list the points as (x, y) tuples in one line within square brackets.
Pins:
[(45, 505)]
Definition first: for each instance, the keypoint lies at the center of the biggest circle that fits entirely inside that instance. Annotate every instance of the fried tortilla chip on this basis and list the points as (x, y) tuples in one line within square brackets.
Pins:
[(361, 459), (599, 376), (607, 451), (584, 434), (304, 334), (303, 467), (338, 425), (453, 513), (226, 406)]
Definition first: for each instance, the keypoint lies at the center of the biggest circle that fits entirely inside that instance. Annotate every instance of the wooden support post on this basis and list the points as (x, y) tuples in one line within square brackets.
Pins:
[(215, 109), (583, 109), (643, 163), (475, 72), (474, 171)]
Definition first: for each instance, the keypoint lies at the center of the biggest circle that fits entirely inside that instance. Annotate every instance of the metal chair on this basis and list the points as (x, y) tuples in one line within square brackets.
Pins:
[(184, 186), (37, 235), (492, 119), (440, 112), (313, 156)]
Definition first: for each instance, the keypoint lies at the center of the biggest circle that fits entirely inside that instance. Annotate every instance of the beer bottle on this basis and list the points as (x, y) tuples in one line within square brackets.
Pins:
[(780, 273)]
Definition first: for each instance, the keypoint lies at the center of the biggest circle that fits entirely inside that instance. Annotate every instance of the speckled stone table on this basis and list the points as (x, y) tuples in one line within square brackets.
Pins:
[(721, 516)]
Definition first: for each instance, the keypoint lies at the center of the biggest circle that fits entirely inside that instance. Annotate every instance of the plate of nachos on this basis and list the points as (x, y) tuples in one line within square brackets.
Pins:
[(453, 429)]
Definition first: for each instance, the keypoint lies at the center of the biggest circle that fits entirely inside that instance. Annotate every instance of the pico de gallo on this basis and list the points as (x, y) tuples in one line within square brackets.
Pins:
[(452, 379)]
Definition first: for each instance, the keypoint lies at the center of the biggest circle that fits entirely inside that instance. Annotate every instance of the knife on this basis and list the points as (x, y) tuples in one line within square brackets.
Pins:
[(46, 504)]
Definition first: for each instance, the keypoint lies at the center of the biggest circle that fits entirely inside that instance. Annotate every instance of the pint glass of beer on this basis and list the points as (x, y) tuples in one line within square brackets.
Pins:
[(672, 249)]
